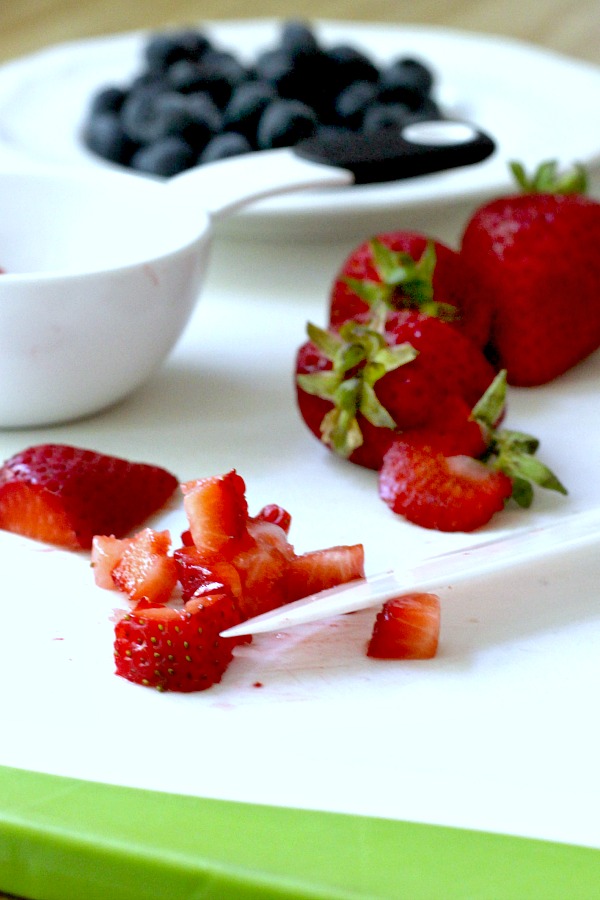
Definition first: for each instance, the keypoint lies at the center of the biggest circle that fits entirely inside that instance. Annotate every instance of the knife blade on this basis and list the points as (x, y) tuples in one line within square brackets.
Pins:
[(434, 573)]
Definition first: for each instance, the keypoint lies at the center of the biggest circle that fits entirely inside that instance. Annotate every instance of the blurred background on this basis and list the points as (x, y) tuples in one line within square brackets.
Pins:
[(566, 26)]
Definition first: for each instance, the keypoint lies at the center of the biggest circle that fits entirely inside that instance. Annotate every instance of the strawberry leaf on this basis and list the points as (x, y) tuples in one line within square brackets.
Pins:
[(546, 179), (360, 356), (404, 283), (509, 451)]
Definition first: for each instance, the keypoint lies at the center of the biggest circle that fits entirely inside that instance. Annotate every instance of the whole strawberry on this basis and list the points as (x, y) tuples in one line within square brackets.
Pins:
[(359, 386), (535, 256), (408, 270)]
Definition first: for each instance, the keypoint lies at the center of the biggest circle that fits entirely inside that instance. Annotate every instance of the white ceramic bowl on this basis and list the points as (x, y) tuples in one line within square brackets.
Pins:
[(102, 271)]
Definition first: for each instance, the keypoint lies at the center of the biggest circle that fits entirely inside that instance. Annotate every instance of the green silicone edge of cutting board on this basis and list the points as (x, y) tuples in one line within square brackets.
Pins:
[(65, 839)]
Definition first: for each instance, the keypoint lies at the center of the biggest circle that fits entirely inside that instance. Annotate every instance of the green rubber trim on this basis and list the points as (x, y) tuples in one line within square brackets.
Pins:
[(63, 839)]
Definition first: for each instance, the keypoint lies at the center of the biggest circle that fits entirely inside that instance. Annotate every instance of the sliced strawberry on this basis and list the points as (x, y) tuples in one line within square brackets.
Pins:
[(318, 570), (106, 555), (453, 493), (406, 627), (277, 515), (65, 495), (199, 576), (145, 571), (217, 512), (263, 568), (177, 649)]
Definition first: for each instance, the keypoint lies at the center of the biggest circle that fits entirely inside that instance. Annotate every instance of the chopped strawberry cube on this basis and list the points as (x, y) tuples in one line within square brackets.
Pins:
[(199, 576), (217, 512), (145, 571), (106, 555), (406, 627), (277, 515), (177, 649), (318, 570)]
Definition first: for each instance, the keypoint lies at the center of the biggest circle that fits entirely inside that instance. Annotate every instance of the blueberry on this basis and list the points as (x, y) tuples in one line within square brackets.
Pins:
[(275, 67), (225, 145), (138, 114), (386, 115), (222, 73), (195, 118), (103, 134), (109, 99), (185, 76), (162, 50), (284, 123), (297, 38), (246, 106), (351, 65), (352, 102), (406, 81), (165, 157)]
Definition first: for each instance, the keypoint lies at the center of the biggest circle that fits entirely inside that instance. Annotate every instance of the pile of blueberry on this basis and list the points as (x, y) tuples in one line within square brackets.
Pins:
[(195, 103)]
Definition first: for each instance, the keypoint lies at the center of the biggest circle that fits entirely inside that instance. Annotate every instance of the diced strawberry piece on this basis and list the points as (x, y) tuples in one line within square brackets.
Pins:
[(146, 571), (322, 569), (106, 555), (406, 627), (65, 495), (217, 512), (199, 576), (277, 515), (455, 493), (263, 568), (177, 649)]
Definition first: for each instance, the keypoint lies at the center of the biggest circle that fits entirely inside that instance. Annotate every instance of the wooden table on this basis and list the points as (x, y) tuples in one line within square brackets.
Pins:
[(560, 25)]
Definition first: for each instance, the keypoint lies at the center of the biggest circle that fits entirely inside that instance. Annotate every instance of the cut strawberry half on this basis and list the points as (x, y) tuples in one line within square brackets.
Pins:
[(407, 627), (319, 570), (65, 495), (455, 493)]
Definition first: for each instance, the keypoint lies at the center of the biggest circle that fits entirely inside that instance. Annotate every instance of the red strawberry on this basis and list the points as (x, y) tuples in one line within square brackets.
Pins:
[(217, 512), (536, 257), (318, 570), (455, 493), (65, 495), (452, 430), (358, 388), (262, 566), (199, 576), (407, 627), (145, 571), (177, 649), (407, 270), (276, 515)]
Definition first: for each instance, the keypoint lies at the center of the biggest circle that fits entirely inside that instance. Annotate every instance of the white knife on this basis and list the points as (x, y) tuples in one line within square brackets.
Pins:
[(579, 530)]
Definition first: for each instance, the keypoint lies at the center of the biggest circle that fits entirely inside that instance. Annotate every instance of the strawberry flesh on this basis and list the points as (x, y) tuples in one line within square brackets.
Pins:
[(406, 627), (65, 495), (455, 493)]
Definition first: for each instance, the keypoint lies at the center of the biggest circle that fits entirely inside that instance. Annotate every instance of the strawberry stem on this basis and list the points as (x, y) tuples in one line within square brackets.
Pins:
[(360, 356), (404, 283), (512, 452)]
